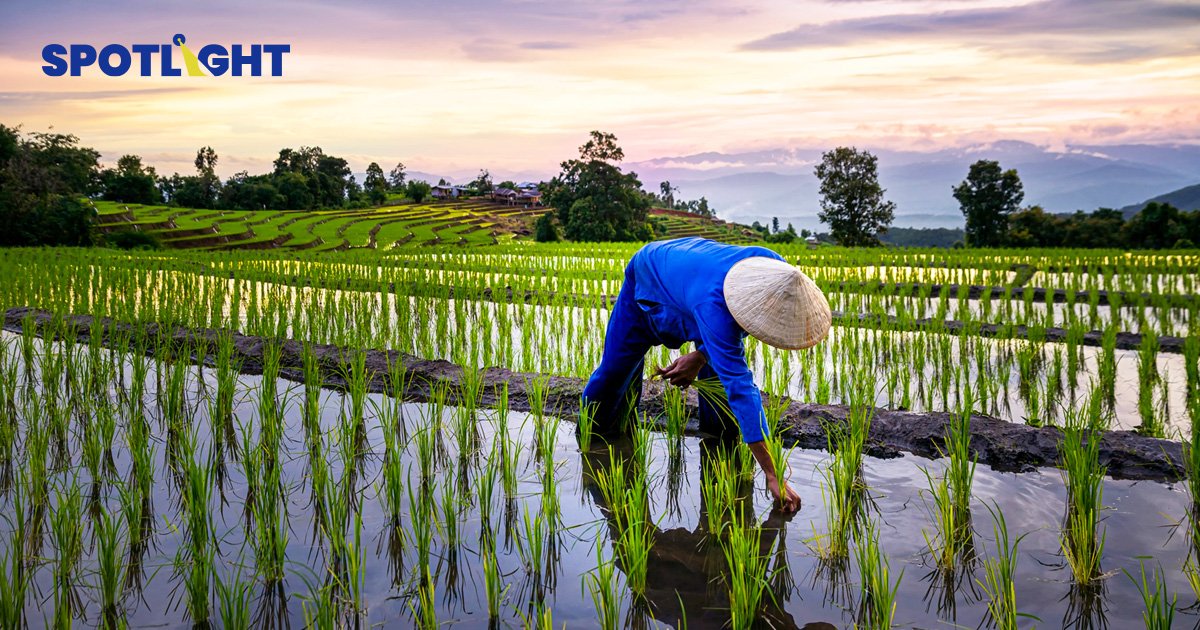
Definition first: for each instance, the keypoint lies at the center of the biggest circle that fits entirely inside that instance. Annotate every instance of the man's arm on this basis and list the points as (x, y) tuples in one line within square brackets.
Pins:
[(722, 343)]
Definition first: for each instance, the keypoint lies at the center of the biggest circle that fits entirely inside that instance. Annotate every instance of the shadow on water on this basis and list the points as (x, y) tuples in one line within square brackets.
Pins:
[(687, 568)]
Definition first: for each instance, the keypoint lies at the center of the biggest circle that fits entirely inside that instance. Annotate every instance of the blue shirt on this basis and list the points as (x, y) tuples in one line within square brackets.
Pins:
[(679, 284)]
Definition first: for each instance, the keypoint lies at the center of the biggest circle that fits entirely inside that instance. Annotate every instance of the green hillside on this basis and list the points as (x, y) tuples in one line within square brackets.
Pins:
[(465, 222)]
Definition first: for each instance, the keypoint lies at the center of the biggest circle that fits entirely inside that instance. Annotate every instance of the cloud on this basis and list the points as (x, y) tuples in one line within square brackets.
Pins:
[(547, 45), (89, 95), (1086, 31)]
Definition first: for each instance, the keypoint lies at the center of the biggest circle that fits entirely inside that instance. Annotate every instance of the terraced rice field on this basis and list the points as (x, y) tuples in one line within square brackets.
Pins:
[(467, 222), (393, 436)]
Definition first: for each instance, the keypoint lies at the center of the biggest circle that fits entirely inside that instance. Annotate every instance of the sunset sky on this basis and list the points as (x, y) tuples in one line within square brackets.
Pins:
[(515, 85)]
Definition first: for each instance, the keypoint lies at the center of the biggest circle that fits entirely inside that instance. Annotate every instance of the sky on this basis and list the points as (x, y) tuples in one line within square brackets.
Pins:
[(452, 86)]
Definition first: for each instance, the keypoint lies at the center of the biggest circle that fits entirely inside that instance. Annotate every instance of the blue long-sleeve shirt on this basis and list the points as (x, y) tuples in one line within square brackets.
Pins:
[(679, 284)]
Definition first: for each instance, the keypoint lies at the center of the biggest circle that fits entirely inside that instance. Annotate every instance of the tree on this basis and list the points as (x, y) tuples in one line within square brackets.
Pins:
[(418, 190), (668, 194), (43, 179), (987, 197), (1157, 226), (483, 183), (396, 178), (544, 230), (852, 201), (210, 185), (595, 201), (130, 182), (1034, 227), (375, 185), (775, 224)]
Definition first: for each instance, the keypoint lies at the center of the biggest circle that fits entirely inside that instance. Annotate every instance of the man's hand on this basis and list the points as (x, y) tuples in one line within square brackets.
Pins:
[(682, 371), (786, 499)]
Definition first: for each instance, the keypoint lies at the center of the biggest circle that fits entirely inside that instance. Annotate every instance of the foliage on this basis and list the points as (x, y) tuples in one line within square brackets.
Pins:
[(417, 190), (375, 186), (396, 178), (42, 179), (544, 230), (130, 182), (852, 202), (595, 200), (987, 197), (131, 239)]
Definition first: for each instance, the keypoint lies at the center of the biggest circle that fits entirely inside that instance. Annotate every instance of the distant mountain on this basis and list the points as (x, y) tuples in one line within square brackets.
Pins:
[(758, 185), (1186, 198)]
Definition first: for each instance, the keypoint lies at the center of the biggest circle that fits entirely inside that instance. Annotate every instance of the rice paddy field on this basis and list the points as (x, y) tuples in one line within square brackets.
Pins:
[(464, 222), (146, 481)]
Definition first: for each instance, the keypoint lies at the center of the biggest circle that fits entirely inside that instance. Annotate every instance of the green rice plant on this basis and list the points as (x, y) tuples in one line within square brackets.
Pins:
[(233, 600), (394, 479), (844, 491), (538, 391), (877, 599), (110, 569), (601, 583), (1084, 477), (320, 608), (420, 514), (748, 577), (586, 425), (67, 538), (676, 411), (532, 546), (547, 433), (424, 610), (1158, 612), (270, 537), (493, 581), (15, 578), (626, 492), (450, 506), (952, 543), (719, 489)]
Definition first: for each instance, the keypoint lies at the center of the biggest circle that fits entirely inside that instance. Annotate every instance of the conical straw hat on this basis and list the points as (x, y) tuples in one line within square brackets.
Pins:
[(776, 303)]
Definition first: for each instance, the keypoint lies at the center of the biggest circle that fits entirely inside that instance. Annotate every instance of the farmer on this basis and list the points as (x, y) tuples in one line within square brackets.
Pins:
[(712, 294)]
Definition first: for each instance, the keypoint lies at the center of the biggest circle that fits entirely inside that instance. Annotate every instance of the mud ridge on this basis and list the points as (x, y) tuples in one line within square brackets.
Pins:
[(1005, 446)]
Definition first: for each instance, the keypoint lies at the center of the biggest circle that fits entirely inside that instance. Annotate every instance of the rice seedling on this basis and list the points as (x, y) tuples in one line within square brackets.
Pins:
[(748, 577), (877, 599), (1159, 611), (1084, 476), (625, 492), (110, 568), (601, 584), (67, 538), (951, 544), (15, 578), (493, 581), (585, 426), (233, 600), (320, 609)]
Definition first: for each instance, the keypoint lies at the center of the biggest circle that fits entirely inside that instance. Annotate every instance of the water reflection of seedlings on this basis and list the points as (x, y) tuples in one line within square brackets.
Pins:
[(14, 575), (1158, 611), (877, 593)]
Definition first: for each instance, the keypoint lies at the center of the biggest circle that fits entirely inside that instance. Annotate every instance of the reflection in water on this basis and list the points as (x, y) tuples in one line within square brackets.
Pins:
[(1086, 606), (685, 575), (948, 584)]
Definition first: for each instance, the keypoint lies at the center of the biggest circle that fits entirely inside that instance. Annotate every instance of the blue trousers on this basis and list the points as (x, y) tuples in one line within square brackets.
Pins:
[(615, 388)]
